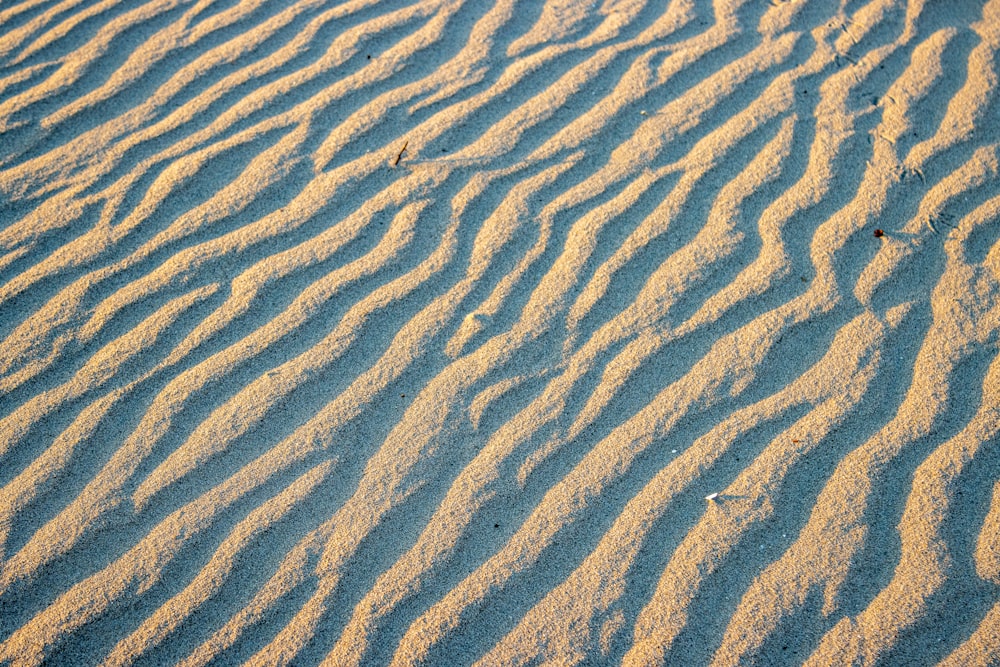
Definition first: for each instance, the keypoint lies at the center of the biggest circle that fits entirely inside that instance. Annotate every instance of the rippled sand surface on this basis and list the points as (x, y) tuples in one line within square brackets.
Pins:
[(448, 332)]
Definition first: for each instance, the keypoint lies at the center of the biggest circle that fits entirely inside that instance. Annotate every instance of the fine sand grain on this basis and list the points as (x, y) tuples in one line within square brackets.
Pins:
[(448, 332)]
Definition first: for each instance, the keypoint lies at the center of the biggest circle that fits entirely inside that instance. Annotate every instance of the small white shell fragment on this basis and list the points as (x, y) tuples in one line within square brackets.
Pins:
[(711, 496)]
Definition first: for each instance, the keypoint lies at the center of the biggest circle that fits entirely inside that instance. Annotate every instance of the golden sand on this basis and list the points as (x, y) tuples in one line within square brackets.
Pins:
[(461, 333)]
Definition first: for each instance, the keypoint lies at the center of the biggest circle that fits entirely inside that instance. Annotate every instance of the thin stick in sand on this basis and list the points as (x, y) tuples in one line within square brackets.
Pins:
[(399, 156)]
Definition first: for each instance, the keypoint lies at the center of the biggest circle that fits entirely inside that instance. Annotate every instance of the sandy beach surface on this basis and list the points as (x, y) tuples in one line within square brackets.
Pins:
[(522, 332)]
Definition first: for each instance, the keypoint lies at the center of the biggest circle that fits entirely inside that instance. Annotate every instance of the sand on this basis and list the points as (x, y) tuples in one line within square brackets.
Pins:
[(441, 332)]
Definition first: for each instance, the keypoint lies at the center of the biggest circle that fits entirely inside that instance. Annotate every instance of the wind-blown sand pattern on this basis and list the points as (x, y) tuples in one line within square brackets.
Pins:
[(417, 332)]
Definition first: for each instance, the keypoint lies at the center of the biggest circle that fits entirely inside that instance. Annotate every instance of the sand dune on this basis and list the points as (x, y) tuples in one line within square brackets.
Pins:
[(378, 332)]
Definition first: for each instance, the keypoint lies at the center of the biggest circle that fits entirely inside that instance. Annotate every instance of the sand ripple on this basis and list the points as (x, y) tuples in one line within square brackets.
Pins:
[(417, 332)]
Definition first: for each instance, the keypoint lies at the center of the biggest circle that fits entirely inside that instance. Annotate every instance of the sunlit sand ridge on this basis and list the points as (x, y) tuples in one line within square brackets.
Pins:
[(399, 333)]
